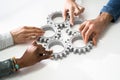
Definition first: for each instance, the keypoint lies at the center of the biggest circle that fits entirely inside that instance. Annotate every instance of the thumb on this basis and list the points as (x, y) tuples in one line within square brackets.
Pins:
[(34, 43), (95, 38)]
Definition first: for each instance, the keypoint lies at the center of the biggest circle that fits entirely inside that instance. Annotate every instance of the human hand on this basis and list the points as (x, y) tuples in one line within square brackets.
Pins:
[(35, 53), (93, 28), (73, 8), (26, 34)]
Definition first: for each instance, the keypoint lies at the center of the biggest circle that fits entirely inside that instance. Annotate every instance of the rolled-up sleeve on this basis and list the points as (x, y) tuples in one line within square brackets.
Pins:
[(113, 8), (6, 40)]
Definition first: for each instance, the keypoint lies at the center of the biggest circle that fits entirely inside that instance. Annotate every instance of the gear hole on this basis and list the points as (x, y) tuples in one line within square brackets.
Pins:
[(57, 18), (56, 46), (77, 41), (49, 31)]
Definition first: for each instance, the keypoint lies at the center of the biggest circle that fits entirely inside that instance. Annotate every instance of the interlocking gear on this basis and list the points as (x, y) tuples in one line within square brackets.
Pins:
[(57, 38), (61, 54), (82, 49), (59, 25)]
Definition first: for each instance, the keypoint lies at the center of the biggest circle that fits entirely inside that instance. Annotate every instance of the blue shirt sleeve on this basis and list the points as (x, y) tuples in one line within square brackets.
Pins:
[(113, 8)]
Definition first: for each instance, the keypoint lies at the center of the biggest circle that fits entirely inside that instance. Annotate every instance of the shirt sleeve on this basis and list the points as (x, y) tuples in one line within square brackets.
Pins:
[(6, 67), (113, 8), (6, 40)]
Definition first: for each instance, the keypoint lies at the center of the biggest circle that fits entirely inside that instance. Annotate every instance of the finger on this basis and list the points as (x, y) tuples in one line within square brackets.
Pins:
[(65, 14), (84, 32), (77, 11), (94, 39), (34, 31), (71, 16), (87, 35), (31, 27), (49, 52), (31, 38), (34, 43), (34, 35), (82, 26), (81, 9)]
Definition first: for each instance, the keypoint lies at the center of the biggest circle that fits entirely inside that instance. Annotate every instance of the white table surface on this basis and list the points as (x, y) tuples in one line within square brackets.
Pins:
[(101, 63)]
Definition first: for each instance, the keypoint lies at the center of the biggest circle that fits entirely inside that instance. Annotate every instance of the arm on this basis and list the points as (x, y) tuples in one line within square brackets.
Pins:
[(73, 8), (112, 8), (93, 28), (6, 40), (34, 54), (20, 35)]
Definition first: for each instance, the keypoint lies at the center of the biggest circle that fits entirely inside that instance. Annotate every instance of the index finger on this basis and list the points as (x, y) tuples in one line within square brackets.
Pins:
[(65, 14), (71, 15), (87, 35)]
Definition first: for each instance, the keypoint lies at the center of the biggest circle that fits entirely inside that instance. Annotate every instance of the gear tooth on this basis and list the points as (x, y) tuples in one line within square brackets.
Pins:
[(66, 52), (55, 57), (59, 56), (76, 51), (80, 51), (64, 55)]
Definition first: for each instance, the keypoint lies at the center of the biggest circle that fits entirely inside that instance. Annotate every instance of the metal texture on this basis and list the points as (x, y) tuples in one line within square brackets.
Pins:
[(57, 39)]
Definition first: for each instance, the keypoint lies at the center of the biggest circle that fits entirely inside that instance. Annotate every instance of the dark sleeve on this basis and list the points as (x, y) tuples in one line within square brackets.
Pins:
[(113, 8), (6, 67)]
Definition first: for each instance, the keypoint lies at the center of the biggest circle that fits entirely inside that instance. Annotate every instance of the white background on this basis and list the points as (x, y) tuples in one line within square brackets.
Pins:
[(101, 63)]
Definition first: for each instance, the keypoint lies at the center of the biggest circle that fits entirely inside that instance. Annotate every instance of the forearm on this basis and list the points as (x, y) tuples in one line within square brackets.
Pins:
[(112, 8), (6, 40), (105, 17)]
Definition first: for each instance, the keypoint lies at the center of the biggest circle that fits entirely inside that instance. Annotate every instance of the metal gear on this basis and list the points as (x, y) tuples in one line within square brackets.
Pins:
[(44, 39), (56, 39), (82, 49), (61, 54), (61, 25)]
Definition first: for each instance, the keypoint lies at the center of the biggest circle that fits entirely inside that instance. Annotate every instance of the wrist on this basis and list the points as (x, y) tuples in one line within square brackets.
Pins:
[(105, 17), (14, 37), (20, 63)]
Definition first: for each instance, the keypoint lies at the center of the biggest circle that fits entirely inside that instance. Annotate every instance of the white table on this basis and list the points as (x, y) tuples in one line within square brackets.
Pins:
[(101, 63)]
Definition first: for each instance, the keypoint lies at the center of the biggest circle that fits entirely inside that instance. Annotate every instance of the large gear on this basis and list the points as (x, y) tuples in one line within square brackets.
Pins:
[(61, 54), (57, 38)]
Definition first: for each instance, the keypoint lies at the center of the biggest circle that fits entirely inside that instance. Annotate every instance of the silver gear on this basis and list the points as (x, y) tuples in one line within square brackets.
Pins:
[(63, 53), (82, 49), (60, 25), (44, 39), (48, 42)]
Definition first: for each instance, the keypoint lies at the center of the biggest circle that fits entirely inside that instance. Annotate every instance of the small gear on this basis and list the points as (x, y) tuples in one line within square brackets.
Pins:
[(59, 25), (61, 54), (44, 39), (82, 49)]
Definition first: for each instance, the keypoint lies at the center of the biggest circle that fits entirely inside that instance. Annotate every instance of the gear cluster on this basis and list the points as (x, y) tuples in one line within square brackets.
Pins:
[(58, 37)]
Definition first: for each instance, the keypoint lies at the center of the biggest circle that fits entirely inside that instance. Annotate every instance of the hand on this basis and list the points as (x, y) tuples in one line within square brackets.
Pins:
[(25, 34), (35, 53), (93, 28), (73, 8)]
